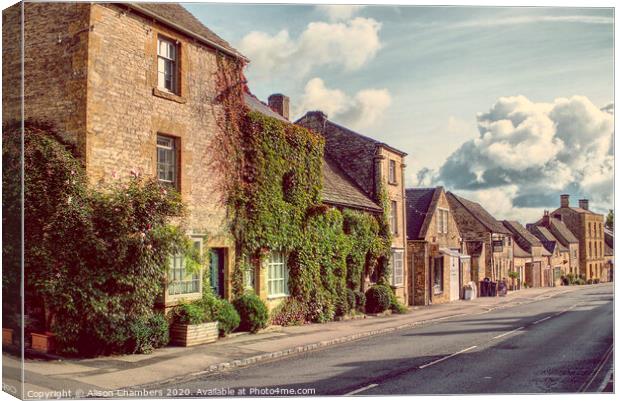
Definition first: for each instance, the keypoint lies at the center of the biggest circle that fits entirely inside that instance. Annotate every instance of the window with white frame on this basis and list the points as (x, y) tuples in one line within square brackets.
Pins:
[(438, 275), (393, 217), (277, 275), (392, 172), (167, 167), (167, 64), (397, 267), (180, 280), (442, 221)]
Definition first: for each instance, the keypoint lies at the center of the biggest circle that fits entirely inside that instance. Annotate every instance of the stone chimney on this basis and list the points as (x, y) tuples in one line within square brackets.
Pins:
[(584, 204), (280, 104), (545, 219), (564, 200)]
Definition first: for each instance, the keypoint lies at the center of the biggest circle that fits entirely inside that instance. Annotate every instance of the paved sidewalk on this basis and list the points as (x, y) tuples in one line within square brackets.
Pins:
[(170, 363)]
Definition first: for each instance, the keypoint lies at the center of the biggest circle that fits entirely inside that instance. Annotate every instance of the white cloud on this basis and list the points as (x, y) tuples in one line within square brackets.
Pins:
[(361, 110), (349, 45), (339, 12), (530, 152), (520, 20)]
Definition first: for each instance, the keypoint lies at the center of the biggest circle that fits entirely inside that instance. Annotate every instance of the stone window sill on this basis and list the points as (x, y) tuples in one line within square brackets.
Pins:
[(169, 96)]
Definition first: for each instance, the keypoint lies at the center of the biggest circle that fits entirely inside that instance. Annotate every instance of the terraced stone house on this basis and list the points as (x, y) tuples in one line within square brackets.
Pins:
[(133, 87), (373, 166), (435, 250), (486, 239)]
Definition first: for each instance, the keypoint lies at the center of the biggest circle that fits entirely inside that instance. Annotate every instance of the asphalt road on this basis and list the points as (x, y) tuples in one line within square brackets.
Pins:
[(556, 345)]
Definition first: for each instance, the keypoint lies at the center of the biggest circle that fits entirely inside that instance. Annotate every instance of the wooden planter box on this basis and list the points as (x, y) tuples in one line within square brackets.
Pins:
[(187, 335), (7, 336), (43, 342)]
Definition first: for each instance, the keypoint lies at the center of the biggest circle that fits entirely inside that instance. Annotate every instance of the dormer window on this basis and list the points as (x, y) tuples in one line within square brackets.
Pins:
[(167, 65)]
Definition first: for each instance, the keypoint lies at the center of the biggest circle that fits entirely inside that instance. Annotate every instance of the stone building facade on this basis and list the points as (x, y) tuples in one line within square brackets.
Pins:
[(528, 258), (588, 228), (374, 166), (488, 242), (338, 191), (435, 250), (567, 240), (133, 86)]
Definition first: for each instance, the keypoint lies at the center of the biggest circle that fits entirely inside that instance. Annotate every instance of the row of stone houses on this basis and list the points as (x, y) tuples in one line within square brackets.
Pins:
[(453, 241), (133, 87)]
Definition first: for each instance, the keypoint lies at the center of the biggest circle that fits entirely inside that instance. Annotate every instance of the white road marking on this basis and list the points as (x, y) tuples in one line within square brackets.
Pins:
[(359, 390), (606, 381), (447, 357), (542, 320), (508, 332)]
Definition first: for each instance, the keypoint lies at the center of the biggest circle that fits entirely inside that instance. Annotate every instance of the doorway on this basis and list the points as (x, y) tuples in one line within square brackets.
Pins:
[(216, 270)]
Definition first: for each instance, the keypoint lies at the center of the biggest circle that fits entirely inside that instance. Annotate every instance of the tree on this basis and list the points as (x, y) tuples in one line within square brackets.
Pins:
[(609, 221)]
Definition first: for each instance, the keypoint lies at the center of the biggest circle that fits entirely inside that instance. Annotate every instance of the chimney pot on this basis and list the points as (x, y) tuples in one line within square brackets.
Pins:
[(564, 200), (280, 104), (584, 204), (545, 219)]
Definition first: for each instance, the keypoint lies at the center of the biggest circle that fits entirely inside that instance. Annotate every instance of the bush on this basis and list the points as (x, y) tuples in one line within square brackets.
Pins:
[(378, 298), (579, 281), (94, 257), (289, 313), (596, 281), (590, 281), (395, 304), (360, 300), (148, 334), (252, 311), (190, 313), (227, 317), (350, 299)]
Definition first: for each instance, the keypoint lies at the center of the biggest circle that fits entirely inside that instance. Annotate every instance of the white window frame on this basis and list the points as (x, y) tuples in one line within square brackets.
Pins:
[(167, 64), (392, 171), (167, 144), (277, 275), (397, 267), (442, 220), (394, 217), (183, 280)]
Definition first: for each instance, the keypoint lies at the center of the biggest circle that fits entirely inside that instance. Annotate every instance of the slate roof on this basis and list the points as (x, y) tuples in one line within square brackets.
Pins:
[(520, 252), (421, 203), (254, 104), (338, 188), (364, 137), (608, 251), (564, 234), (479, 213), (525, 239), (175, 14), (609, 237), (549, 241)]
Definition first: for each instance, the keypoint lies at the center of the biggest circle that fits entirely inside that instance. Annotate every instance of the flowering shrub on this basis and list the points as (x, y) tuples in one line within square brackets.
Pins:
[(95, 259), (290, 312)]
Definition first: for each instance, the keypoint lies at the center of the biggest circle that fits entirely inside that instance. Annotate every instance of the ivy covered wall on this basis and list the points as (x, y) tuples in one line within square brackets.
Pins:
[(277, 206)]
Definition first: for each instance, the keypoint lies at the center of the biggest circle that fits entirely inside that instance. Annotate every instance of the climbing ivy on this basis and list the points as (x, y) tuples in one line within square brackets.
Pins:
[(277, 206)]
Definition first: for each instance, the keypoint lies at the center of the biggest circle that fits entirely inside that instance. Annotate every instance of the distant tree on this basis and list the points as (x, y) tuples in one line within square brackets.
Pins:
[(609, 221)]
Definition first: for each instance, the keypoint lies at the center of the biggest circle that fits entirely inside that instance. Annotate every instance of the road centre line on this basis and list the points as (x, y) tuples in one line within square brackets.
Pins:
[(508, 332), (542, 320), (447, 357), (359, 390)]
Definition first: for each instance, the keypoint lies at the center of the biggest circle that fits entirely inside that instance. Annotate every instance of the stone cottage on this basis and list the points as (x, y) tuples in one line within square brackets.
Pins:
[(529, 255), (434, 248), (587, 227), (133, 87), (609, 253), (374, 167), (556, 262), (487, 241), (338, 191), (567, 239)]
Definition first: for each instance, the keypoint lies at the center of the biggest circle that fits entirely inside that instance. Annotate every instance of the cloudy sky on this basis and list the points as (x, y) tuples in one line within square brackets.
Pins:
[(506, 106)]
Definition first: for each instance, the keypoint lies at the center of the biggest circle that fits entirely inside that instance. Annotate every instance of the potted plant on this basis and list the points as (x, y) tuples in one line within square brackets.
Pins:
[(513, 275), (192, 325)]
